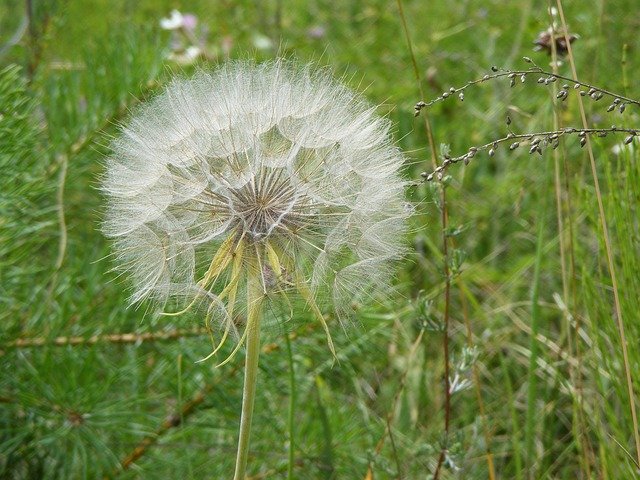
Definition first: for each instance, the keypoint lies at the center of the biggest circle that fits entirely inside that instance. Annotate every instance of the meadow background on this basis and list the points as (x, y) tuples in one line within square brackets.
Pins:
[(524, 294)]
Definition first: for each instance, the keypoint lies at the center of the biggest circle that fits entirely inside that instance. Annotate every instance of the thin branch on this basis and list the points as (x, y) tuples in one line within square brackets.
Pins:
[(546, 78), (62, 178), (124, 338), (537, 142)]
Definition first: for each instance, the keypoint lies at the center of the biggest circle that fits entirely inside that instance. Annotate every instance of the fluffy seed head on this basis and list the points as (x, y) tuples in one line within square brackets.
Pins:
[(269, 167)]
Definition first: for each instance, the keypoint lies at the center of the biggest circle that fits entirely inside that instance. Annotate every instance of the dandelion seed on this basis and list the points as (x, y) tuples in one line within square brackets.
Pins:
[(253, 180)]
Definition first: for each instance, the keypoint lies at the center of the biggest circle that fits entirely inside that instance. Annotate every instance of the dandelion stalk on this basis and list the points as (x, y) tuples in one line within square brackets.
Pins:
[(292, 405), (254, 307)]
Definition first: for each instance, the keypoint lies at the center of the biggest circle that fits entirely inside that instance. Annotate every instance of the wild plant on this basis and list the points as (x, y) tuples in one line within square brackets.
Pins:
[(250, 182)]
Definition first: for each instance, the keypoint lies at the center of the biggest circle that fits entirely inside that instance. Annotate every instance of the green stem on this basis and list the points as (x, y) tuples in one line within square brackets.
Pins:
[(254, 315), (292, 406), (533, 418)]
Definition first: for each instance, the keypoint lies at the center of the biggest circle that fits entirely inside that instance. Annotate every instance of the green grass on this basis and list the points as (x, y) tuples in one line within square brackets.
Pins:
[(550, 370)]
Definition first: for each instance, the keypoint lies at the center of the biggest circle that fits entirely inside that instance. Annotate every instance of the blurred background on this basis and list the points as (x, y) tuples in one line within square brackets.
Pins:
[(93, 389)]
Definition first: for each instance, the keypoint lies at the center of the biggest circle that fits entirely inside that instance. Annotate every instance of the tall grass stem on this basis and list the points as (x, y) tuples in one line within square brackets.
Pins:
[(254, 316), (607, 243)]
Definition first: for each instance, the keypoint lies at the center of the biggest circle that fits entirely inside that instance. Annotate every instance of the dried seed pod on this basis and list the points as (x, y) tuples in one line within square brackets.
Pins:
[(611, 107), (523, 77), (622, 107), (533, 149), (461, 96), (583, 142), (629, 139), (492, 152), (514, 145), (554, 39)]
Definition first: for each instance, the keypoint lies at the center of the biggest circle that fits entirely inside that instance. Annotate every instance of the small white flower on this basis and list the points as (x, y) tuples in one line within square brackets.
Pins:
[(262, 42), (174, 22), (186, 57), (621, 148)]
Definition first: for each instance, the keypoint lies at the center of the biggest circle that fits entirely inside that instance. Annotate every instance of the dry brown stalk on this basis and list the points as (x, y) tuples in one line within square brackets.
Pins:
[(108, 338)]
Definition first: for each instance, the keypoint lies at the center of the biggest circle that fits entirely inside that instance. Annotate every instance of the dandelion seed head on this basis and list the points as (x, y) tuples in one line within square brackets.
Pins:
[(273, 165)]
